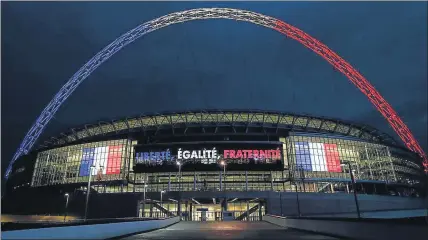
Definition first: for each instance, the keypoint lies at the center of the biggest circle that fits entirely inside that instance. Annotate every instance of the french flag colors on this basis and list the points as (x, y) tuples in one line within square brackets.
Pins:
[(317, 157), (106, 159), (114, 159)]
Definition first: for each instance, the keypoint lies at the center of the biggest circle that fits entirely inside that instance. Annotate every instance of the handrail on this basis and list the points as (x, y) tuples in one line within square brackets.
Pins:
[(410, 221)]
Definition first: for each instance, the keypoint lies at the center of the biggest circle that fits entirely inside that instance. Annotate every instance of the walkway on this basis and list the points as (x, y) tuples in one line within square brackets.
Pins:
[(225, 230)]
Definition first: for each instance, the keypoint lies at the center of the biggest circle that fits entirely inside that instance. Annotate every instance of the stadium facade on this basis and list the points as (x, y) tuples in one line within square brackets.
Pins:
[(162, 157)]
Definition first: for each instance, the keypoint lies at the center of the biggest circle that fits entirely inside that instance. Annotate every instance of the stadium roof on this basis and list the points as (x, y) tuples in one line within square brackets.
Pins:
[(219, 118)]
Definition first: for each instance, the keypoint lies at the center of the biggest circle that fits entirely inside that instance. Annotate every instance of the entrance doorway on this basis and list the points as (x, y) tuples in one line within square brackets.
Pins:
[(230, 210), (205, 210)]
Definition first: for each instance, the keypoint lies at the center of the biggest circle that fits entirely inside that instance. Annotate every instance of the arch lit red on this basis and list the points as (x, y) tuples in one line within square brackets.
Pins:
[(226, 13), (359, 81)]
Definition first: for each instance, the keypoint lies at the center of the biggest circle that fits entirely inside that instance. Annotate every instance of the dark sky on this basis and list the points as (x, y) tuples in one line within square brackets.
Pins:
[(210, 64)]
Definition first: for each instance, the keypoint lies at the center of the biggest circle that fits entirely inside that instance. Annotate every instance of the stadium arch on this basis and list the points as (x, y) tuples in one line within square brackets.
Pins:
[(219, 13)]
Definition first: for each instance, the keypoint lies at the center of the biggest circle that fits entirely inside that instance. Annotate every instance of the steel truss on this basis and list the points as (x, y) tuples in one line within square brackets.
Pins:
[(209, 121), (216, 13)]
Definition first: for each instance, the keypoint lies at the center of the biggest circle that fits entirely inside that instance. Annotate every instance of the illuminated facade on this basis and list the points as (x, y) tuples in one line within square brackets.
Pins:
[(206, 165), (315, 156)]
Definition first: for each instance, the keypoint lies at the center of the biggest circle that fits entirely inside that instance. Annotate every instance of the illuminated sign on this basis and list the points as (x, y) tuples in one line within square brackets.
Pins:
[(206, 156), (254, 154), (152, 157)]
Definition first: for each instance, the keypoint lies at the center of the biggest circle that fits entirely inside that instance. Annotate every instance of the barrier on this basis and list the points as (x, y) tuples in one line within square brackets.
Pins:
[(353, 229), (342, 204), (90, 231)]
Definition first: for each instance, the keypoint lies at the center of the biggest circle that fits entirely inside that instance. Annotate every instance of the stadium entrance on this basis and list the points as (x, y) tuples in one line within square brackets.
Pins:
[(214, 209)]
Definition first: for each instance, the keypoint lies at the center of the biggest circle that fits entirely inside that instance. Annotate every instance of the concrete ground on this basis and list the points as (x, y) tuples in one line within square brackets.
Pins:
[(225, 230)]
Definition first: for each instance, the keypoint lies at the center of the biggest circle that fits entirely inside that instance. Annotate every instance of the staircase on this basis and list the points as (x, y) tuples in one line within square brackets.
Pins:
[(247, 213), (323, 187), (163, 210)]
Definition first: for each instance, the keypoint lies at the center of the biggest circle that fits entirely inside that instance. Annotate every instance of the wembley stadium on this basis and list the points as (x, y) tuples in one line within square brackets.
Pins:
[(161, 164)]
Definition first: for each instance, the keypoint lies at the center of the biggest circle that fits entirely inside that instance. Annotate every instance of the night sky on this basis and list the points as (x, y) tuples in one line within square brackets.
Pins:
[(210, 64)]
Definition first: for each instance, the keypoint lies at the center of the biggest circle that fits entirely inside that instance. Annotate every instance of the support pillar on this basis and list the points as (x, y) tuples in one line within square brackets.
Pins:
[(169, 182), (187, 210), (260, 210), (133, 185), (191, 211), (224, 205), (138, 208), (221, 185), (194, 181), (246, 180), (179, 208), (283, 181)]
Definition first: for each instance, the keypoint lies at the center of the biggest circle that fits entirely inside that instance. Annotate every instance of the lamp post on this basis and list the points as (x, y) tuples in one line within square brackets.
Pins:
[(179, 176), (88, 191), (223, 163), (161, 193), (144, 198), (224, 167), (354, 187), (66, 205), (144, 192)]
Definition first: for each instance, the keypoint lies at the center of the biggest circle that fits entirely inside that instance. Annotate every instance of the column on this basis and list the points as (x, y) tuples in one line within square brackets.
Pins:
[(194, 181), (220, 175), (133, 185), (179, 207), (169, 182), (283, 182), (138, 208), (187, 210), (260, 210), (224, 204), (191, 211), (246, 180), (223, 207), (271, 181)]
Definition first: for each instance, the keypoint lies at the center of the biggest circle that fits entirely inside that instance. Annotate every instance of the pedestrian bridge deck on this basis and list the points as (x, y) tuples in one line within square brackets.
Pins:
[(225, 230)]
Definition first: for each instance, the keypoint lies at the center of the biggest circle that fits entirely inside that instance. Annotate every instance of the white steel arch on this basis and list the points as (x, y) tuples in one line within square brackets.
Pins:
[(211, 13)]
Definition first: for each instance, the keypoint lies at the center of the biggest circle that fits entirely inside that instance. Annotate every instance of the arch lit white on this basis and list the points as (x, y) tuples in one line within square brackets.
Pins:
[(211, 13)]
